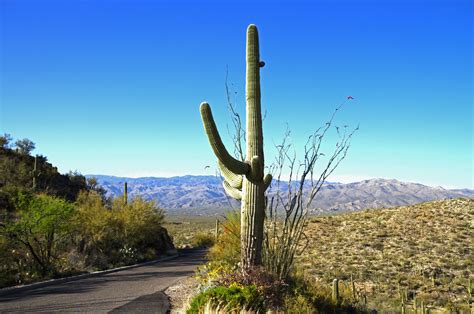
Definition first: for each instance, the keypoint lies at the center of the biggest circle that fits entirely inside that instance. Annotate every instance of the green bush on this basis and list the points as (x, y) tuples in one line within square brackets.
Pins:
[(234, 298), (123, 234), (40, 229), (226, 250), (203, 239), (298, 303), (310, 294)]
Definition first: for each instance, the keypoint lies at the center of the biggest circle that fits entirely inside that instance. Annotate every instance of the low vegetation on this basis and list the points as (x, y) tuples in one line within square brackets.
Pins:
[(187, 231), (221, 284), (420, 253)]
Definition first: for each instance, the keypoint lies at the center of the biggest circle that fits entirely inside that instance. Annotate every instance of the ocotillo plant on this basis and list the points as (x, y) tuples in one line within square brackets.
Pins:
[(244, 180)]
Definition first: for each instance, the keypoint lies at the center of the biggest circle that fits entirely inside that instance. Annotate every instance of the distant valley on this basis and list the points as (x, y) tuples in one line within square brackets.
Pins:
[(204, 195)]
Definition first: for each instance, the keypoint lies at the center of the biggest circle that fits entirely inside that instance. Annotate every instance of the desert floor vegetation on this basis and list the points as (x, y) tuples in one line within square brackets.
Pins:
[(416, 253), (189, 231), (420, 253)]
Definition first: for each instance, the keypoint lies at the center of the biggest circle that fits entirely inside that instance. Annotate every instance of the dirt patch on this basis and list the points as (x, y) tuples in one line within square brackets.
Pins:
[(181, 294)]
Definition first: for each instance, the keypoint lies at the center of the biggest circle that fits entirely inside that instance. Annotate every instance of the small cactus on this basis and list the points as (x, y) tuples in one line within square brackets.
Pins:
[(354, 292), (469, 288), (35, 173), (335, 290)]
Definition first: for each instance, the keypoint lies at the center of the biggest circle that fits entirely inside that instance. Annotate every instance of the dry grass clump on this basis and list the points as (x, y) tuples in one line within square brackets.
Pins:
[(423, 251)]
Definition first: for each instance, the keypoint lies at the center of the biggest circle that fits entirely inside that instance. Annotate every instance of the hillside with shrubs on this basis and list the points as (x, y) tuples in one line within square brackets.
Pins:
[(54, 225), (421, 253)]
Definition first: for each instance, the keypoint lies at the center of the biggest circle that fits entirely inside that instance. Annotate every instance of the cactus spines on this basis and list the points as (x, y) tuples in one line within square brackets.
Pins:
[(245, 180)]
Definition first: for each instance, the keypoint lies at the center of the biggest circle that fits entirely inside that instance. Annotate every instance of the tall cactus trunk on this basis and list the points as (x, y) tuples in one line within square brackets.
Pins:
[(125, 193), (244, 180), (35, 173), (252, 207)]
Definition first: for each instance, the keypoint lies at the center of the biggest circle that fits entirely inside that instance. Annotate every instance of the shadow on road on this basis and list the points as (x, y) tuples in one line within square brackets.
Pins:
[(82, 294)]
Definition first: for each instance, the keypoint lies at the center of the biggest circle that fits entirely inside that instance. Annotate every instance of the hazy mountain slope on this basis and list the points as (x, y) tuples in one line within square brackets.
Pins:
[(378, 193), (200, 194)]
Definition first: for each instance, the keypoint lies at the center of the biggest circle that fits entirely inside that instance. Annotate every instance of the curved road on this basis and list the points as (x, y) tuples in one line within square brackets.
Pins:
[(136, 290)]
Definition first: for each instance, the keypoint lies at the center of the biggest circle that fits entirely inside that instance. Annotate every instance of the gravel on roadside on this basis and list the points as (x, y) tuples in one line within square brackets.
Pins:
[(181, 294)]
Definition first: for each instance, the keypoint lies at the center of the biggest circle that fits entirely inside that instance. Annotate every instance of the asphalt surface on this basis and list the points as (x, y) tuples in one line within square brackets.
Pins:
[(136, 290)]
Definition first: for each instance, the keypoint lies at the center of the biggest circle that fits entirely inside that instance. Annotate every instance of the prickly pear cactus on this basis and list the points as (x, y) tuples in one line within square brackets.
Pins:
[(245, 180)]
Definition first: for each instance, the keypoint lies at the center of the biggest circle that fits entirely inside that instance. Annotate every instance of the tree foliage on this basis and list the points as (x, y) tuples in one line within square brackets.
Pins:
[(25, 146), (41, 228), (5, 141), (124, 233)]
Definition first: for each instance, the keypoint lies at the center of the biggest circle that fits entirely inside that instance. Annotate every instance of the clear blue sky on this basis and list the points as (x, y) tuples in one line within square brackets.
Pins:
[(114, 87)]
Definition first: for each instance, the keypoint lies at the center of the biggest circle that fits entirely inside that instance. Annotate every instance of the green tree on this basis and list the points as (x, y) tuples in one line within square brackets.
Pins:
[(92, 184), (41, 228), (25, 146), (5, 141)]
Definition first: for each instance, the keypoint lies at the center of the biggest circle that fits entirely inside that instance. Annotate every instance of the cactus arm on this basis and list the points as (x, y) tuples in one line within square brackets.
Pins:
[(267, 180), (233, 179), (232, 192), (232, 164)]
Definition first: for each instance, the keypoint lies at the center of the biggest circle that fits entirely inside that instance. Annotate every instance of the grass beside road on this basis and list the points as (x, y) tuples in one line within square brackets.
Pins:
[(186, 229)]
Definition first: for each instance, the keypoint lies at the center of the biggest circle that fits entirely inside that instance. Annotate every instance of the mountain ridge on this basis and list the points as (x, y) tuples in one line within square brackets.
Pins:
[(191, 194)]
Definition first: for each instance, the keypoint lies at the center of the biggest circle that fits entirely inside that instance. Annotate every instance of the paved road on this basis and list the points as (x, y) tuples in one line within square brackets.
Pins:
[(136, 290)]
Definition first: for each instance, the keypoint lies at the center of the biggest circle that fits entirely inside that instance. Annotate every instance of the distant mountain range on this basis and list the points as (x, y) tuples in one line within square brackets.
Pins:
[(205, 195)]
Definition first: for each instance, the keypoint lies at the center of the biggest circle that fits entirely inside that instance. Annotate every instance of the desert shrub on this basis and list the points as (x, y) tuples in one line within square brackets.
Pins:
[(317, 295), (232, 298), (203, 239), (140, 223), (123, 234), (270, 287), (226, 250), (298, 303), (10, 264), (97, 230), (216, 274), (41, 227)]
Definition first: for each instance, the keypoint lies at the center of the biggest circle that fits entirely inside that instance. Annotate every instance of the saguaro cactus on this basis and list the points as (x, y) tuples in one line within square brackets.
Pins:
[(125, 193), (35, 173), (244, 180)]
